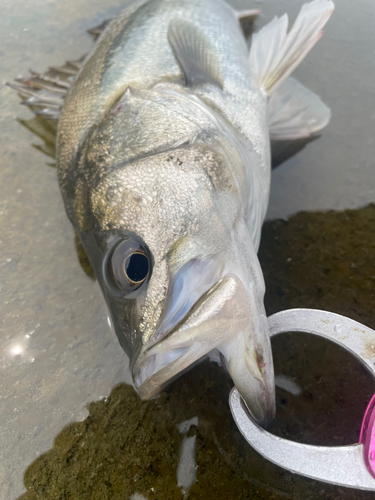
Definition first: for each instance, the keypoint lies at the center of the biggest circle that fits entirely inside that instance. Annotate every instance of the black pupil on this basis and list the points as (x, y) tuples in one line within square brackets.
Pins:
[(136, 267)]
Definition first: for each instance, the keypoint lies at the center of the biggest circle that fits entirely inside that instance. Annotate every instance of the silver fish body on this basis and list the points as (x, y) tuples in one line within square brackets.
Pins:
[(164, 162)]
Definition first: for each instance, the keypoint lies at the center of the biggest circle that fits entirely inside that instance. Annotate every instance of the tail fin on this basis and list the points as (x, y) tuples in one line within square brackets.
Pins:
[(274, 53)]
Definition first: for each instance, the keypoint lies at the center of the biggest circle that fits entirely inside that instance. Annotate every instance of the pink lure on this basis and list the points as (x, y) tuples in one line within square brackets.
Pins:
[(367, 436)]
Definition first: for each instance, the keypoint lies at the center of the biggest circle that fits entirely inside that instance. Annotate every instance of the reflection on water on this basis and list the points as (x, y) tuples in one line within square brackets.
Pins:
[(58, 352)]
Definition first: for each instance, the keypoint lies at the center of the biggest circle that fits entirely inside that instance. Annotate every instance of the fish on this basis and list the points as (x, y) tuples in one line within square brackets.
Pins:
[(163, 161)]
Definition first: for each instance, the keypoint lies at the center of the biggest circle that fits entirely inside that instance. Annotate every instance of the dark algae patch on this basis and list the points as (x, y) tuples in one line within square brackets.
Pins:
[(322, 260), (126, 446)]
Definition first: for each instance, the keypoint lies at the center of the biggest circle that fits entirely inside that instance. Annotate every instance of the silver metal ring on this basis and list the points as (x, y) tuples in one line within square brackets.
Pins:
[(349, 466)]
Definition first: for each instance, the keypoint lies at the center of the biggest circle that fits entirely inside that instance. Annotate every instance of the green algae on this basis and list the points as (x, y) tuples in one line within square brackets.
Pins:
[(125, 445)]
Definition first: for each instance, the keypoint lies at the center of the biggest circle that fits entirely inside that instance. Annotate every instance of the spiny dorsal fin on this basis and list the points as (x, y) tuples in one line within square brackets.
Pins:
[(46, 130), (98, 30), (44, 93), (274, 53), (194, 53), (295, 112)]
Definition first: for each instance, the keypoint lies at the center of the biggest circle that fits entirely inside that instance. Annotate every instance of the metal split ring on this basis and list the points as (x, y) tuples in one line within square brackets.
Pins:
[(352, 466)]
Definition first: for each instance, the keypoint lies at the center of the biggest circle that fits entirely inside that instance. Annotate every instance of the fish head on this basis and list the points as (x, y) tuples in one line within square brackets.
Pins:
[(174, 257)]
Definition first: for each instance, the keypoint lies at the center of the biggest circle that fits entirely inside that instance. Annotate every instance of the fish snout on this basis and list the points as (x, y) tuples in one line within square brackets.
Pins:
[(223, 318)]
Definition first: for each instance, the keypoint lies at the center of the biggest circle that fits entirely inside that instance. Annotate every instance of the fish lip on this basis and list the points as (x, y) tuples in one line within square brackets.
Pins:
[(150, 386)]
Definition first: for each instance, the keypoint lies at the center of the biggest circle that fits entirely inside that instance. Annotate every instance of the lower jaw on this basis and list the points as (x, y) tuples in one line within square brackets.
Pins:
[(174, 364), (149, 382)]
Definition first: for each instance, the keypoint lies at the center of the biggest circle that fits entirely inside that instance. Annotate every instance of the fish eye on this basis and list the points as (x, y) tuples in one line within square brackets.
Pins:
[(129, 266)]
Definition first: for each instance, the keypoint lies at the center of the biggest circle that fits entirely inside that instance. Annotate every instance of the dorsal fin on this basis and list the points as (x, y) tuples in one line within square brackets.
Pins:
[(195, 53), (44, 93), (46, 130), (98, 30)]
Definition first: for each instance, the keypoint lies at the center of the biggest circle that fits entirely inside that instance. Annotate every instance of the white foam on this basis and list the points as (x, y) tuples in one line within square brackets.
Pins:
[(137, 496), (183, 427), (288, 384), (187, 466)]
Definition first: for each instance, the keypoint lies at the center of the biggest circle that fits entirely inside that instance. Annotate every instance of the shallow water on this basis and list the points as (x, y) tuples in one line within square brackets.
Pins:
[(57, 351)]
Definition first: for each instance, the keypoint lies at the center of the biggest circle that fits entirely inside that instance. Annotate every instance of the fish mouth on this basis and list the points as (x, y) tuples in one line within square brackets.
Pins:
[(220, 319)]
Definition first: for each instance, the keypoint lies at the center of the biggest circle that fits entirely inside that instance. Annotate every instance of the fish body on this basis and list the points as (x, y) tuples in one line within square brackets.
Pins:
[(135, 53), (163, 156)]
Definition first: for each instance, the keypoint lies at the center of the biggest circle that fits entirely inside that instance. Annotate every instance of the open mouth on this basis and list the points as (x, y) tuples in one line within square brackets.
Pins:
[(218, 320), (219, 315)]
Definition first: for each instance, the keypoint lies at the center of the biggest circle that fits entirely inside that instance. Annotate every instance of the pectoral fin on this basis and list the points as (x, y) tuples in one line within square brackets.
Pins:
[(194, 53), (294, 112), (274, 53)]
